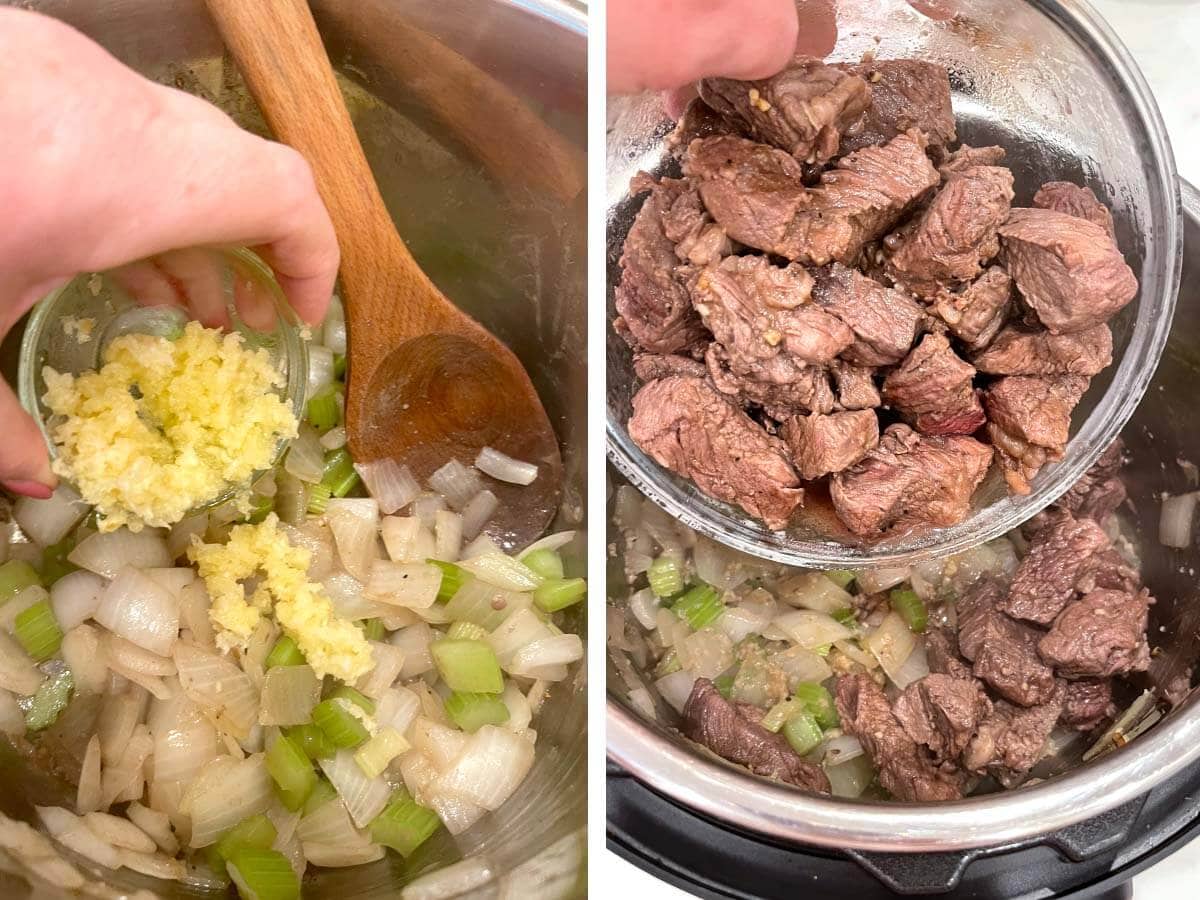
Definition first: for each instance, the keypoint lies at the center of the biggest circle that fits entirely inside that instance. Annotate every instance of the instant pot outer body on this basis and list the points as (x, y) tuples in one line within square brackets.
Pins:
[(504, 241), (721, 832)]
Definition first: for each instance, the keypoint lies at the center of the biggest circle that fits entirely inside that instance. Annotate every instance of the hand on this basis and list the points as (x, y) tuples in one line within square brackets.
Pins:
[(100, 168)]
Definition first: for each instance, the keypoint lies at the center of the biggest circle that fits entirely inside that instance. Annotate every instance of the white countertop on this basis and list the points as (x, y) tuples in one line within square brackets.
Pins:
[(1164, 37)]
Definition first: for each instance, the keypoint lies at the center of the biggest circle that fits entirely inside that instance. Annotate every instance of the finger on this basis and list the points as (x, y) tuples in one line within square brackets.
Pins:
[(254, 301), (197, 275), (677, 100), (146, 285), (24, 460), (818, 27)]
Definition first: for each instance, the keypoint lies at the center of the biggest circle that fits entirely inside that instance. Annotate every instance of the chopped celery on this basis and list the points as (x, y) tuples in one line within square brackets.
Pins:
[(668, 665), (802, 732), (840, 577), (470, 712), (666, 576), (285, 653), (468, 666), (724, 685), (338, 724), (453, 578), (15, 576), (339, 476), (699, 606), (339, 365), (323, 408), (546, 563), (263, 875), (404, 825), (291, 770), (778, 714), (845, 616), (467, 631), (312, 741), (819, 704), (38, 632), (50, 699), (373, 629), (260, 508), (344, 692), (321, 794), (376, 754), (256, 832), (55, 563), (911, 609), (552, 596)]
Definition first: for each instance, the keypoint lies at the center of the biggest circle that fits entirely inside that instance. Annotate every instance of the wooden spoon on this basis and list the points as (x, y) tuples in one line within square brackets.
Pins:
[(427, 382)]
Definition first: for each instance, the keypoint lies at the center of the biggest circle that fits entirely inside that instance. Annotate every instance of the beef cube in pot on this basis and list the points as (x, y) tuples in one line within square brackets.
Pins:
[(1024, 351), (699, 120), (652, 302), (1012, 739), (652, 366), (1100, 635), (934, 389), (910, 480), (809, 391), (1029, 422), (1059, 557), (1081, 202), (966, 157), (854, 385), (687, 426), (884, 321), (731, 732), (955, 234), (905, 771), (905, 93), (1068, 269), (698, 239), (1004, 651), (941, 653), (1088, 704), (942, 713), (821, 445), (975, 314), (1099, 491), (762, 316), (803, 110)]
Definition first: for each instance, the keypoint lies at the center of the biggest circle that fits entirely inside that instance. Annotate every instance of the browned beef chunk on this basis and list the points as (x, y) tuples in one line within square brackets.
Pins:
[(809, 392), (974, 314), (910, 480), (942, 713), (1081, 202), (1029, 422), (1099, 491), (821, 445), (885, 322), (941, 652), (1024, 351), (699, 120), (1088, 704), (1003, 650), (653, 305), (763, 318), (905, 771), (933, 389), (966, 157), (1066, 556), (1068, 269), (1012, 739), (1099, 635), (685, 425), (733, 734), (951, 239), (803, 110), (652, 366), (756, 194), (855, 385), (905, 93)]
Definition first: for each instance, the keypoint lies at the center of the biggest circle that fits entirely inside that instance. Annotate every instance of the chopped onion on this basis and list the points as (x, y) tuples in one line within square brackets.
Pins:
[(480, 546), (334, 438), (519, 630), (490, 768), (841, 749), (194, 604), (46, 522), (478, 512), (640, 700), (555, 541), (406, 539), (390, 483), (329, 823), (502, 571), (425, 508), (414, 642), (396, 707), (71, 831), (156, 824), (855, 653), (82, 652), (389, 660), (315, 537), (226, 792), (505, 468), (752, 616), (154, 864), (520, 714), (800, 665), (706, 654), (1175, 524), (676, 688), (320, 369), (218, 684), (448, 532), (350, 600), (811, 629), (892, 643), (364, 797), (20, 602), (126, 779), (119, 717), (119, 832), (306, 457), (850, 779), (456, 814), (813, 590), (87, 797), (136, 659), (437, 741), (289, 694), (412, 585), (17, 671), (451, 881), (456, 482), (184, 740), (12, 719), (333, 335), (872, 581), (554, 872), (140, 610), (333, 856), (355, 524), (719, 566), (544, 659), (644, 605), (107, 553)]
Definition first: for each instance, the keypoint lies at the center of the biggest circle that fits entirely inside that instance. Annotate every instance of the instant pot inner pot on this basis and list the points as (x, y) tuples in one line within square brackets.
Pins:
[(506, 249)]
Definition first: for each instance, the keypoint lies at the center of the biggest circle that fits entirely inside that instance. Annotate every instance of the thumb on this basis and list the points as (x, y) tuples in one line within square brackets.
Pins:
[(24, 462)]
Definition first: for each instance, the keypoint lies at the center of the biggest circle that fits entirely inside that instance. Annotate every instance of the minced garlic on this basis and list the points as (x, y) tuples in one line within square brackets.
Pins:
[(331, 645), (165, 426)]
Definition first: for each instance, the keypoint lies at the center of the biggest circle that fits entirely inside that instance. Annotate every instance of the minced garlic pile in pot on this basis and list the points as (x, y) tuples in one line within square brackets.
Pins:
[(331, 645), (166, 425)]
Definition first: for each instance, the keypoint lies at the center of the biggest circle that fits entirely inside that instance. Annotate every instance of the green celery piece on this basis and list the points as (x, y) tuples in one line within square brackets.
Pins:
[(263, 875), (470, 712), (404, 825), (321, 794), (699, 606), (846, 617), (339, 475), (55, 563), (339, 365), (291, 770), (312, 741), (840, 577), (802, 732), (546, 563), (38, 632), (345, 692), (666, 576), (50, 700), (551, 596), (339, 726), (373, 629), (468, 666), (818, 702), (453, 578), (322, 409), (285, 653), (724, 685), (911, 609), (15, 576), (256, 832)]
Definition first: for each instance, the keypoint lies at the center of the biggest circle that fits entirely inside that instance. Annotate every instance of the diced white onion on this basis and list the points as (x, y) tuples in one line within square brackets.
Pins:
[(706, 654), (478, 512), (136, 659), (71, 831), (521, 629), (194, 604), (396, 707), (644, 605), (502, 571), (479, 546), (437, 741), (47, 522), (364, 797), (20, 602), (87, 797), (456, 482), (12, 720), (504, 468), (333, 334), (82, 652), (154, 864), (173, 580), (448, 532), (872, 581), (892, 643), (329, 823), (225, 793), (349, 599), (812, 590), (156, 824), (752, 616), (490, 768), (542, 659), (320, 369), (850, 779), (355, 526), (456, 814), (842, 749), (810, 629), (119, 832), (334, 856), (119, 717), (676, 688), (424, 508), (555, 541), (390, 483), (800, 665), (519, 712), (126, 779), (856, 654), (414, 642), (1175, 524), (289, 694), (218, 684), (389, 660), (450, 881), (552, 873), (719, 566), (334, 438), (184, 740), (412, 585), (107, 553), (306, 457), (17, 671), (140, 610)]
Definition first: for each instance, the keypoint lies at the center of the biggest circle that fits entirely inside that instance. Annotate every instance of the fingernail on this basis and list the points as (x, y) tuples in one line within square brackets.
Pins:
[(34, 489)]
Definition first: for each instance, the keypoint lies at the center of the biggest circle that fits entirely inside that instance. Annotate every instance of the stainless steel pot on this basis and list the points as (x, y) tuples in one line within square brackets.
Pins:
[(1162, 433), (491, 202)]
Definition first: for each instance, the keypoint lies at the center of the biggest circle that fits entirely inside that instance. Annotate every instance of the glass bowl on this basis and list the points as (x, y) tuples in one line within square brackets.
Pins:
[(71, 327), (1051, 83)]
